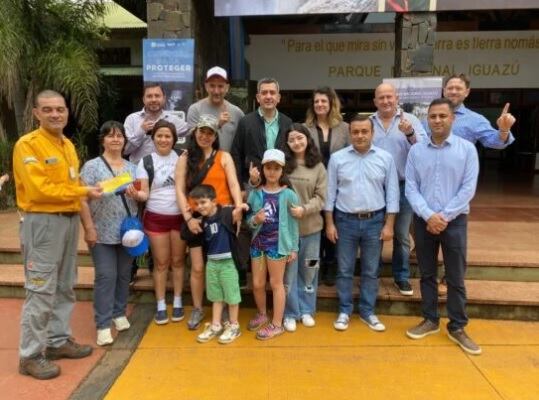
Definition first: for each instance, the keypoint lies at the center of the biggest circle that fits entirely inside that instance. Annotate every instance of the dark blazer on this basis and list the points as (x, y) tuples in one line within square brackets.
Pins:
[(250, 144)]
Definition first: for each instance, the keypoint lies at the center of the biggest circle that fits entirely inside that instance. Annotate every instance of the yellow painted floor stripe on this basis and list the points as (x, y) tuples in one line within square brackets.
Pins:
[(321, 363)]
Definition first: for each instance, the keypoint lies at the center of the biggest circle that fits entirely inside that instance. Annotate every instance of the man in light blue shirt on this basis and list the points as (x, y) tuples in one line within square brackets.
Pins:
[(441, 178), (472, 126), (396, 131), (362, 200)]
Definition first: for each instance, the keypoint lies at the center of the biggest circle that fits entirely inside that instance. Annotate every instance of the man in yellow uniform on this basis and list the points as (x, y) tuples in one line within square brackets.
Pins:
[(45, 166)]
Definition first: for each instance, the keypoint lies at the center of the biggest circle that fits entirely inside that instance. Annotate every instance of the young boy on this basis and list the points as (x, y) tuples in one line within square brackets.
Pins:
[(222, 286)]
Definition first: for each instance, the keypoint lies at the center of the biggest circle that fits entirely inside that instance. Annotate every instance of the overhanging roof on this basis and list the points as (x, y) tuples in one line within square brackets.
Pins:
[(117, 17)]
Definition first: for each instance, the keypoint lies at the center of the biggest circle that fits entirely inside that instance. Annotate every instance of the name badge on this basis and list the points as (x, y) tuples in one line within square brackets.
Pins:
[(51, 161)]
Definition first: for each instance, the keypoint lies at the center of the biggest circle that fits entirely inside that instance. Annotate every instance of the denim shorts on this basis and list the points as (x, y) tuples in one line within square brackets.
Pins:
[(272, 254)]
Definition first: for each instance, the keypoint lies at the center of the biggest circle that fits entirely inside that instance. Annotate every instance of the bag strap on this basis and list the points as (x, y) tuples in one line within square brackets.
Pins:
[(147, 162), (201, 174), (122, 196)]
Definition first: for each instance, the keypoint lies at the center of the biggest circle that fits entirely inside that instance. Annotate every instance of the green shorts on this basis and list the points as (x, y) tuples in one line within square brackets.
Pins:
[(222, 283)]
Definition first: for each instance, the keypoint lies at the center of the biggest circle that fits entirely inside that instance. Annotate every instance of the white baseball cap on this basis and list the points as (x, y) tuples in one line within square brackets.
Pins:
[(275, 156), (216, 71)]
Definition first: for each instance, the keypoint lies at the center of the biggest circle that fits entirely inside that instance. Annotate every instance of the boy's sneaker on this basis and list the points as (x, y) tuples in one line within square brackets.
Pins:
[(307, 320), (161, 317), (374, 323), (269, 332), (197, 316), (257, 322), (404, 288), (209, 333), (104, 337), (425, 327), (121, 323), (177, 314), (289, 324), (342, 321), (231, 333), (464, 341)]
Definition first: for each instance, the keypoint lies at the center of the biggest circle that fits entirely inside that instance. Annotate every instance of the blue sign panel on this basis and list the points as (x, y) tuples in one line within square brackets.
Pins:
[(170, 62)]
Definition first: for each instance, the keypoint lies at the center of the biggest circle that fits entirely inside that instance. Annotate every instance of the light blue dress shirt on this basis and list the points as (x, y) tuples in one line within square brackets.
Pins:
[(272, 129), (442, 179), (394, 141), (474, 127), (362, 182)]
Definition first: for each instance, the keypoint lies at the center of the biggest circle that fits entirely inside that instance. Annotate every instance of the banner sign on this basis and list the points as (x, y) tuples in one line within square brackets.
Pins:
[(506, 59), (226, 8), (415, 94), (170, 62)]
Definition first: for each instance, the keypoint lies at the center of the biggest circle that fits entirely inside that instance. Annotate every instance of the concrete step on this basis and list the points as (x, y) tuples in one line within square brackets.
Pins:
[(491, 271), (486, 299)]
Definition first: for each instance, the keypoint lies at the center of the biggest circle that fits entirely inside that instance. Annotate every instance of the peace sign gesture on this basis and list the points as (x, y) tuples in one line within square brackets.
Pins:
[(505, 121)]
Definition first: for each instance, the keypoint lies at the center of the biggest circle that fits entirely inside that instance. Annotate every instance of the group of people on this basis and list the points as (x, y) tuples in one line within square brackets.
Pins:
[(290, 199)]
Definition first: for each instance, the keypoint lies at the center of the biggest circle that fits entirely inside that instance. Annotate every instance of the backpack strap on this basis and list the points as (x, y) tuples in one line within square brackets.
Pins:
[(148, 166)]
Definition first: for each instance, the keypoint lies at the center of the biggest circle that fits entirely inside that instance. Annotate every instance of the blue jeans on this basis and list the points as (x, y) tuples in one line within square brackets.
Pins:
[(301, 278), (453, 241), (400, 262), (111, 282), (365, 233)]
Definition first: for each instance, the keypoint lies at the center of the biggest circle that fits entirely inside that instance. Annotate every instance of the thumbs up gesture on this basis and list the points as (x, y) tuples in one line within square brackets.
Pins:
[(505, 122), (405, 126)]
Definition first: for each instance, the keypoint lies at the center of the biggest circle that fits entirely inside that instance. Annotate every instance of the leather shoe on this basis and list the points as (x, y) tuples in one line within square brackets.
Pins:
[(69, 349), (38, 367)]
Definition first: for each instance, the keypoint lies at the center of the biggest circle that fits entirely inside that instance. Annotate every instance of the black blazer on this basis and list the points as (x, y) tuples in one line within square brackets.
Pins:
[(250, 144)]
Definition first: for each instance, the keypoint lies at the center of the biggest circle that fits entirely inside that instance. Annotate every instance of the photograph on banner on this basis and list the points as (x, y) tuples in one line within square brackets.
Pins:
[(409, 5), (415, 94), (170, 63), (282, 7)]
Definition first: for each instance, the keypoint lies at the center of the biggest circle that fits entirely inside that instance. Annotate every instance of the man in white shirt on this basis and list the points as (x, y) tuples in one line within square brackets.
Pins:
[(138, 125)]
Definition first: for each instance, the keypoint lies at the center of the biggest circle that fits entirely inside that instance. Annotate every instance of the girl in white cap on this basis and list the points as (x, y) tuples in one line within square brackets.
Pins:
[(275, 241)]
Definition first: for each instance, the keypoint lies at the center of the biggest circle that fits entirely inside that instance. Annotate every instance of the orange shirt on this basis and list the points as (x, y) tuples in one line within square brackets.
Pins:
[(216, 177)]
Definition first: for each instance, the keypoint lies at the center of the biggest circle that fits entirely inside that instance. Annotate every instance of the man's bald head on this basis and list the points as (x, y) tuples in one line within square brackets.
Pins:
[(386, 99)]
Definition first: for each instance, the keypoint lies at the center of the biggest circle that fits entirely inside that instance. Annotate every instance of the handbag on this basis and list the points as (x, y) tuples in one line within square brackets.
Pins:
[(131, 224)]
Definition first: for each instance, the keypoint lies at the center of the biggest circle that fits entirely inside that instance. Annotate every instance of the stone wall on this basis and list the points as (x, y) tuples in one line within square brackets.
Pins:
[(192, 19), (415, 37)]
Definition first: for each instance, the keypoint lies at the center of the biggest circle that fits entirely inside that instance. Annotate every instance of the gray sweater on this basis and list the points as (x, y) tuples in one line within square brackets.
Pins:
[(310, 185), (228, 130)]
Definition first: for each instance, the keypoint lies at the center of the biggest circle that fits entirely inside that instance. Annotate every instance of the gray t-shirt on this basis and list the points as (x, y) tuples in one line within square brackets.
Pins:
[(109, 211), (228, 130)]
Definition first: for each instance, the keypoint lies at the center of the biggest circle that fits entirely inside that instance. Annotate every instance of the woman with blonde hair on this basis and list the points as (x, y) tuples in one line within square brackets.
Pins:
[(330, 134)]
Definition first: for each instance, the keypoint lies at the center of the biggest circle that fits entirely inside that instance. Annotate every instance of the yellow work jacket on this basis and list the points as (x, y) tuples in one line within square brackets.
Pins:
[(46, 171)]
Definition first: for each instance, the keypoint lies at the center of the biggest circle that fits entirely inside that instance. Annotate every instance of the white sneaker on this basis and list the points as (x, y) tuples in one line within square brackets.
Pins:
[(308, 321), (104, 337), (342, 321), (121, 323), (374, 323), (289, 324)]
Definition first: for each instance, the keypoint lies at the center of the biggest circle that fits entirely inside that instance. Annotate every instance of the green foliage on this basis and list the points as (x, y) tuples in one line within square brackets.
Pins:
[(51, 44), (7, 195)]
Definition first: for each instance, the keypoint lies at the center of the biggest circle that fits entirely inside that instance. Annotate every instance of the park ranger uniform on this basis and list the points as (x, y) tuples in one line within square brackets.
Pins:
[(48, 191)]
